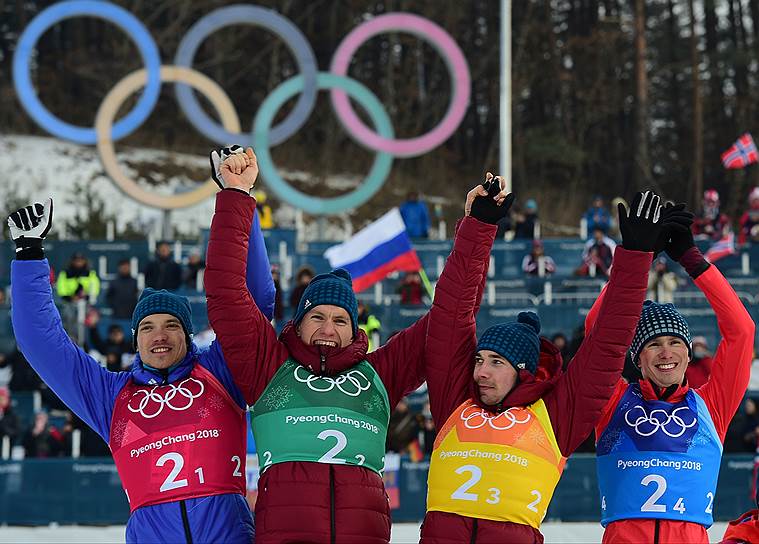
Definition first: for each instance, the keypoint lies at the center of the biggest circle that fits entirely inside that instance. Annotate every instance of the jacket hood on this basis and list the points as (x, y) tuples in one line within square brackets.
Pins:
[(530, 388), (322, 360), (146, 376)]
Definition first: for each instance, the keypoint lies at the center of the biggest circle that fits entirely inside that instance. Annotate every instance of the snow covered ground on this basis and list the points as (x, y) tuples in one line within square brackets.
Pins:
[(402, 533)]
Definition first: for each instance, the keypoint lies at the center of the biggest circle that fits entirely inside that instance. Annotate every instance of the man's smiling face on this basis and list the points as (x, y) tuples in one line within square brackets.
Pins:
[(326, 325), (161, 340)]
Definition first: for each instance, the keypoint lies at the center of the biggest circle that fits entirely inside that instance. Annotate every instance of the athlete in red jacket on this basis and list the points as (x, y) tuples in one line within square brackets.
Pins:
[(504, 438), (321, 403), (659, 443)]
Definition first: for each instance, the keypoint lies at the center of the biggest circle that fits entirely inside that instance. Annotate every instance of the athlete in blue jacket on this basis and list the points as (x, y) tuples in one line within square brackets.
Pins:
[(175, 422)]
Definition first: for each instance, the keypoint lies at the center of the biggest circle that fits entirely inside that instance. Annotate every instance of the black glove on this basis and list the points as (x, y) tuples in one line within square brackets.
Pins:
[(217, 158), (680, 241), (29, 226), (671, 215), (640, 227), (485, 209)]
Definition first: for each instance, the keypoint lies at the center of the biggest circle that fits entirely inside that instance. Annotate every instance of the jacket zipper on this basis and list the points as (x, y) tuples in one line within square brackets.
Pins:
[(656, 531), (473, 539), (332, 535), (185, 522), (323, 359)]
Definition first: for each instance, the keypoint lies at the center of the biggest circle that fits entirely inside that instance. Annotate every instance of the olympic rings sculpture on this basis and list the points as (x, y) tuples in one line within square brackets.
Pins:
[(263, 135), (656, 423), (153, 396), (475, 417), (321, 384)]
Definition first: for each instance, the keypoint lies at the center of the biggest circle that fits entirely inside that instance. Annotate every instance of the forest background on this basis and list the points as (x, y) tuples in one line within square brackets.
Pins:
[(608, 95)]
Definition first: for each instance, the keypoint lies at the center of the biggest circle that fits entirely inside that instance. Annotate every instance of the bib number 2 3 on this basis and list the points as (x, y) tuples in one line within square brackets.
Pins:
[(494, 494)]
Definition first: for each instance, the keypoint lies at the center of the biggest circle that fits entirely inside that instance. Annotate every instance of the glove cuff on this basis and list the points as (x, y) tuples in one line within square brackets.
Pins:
[(693, 262), (29, 249)]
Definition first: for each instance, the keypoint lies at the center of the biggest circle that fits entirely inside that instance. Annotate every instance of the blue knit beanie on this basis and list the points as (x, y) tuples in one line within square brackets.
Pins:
[(335, 288), (658, 320), (153, 301), (517, 342)]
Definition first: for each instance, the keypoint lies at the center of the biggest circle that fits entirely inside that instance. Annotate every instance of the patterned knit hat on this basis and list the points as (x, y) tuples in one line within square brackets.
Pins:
[(659, 320), (335, 288), (517, 342), (153, 301)]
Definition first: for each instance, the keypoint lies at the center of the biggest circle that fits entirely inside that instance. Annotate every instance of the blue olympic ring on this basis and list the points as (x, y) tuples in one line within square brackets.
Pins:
[(378, 172), (297, 44), (104, 10)]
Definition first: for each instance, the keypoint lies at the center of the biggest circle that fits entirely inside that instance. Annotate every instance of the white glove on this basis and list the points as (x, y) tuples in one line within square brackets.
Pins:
[(29, 226), (217, 159)]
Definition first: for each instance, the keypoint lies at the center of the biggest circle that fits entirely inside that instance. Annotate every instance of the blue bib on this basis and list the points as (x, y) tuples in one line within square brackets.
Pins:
[(658, 460)]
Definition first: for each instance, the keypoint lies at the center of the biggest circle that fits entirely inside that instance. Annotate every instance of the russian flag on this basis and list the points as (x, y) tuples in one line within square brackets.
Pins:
[(375, 251)]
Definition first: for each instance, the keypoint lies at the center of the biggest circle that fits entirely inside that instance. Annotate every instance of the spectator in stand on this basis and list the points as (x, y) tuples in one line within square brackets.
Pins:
[(749, 231), (42, 439), (195, 264), (114, 347), (597, 216), (92, 444), (302, 279), (700, 367), (23, 376), (410, 288), (428, 432), (279, 311), (264, 210), (6, 370), (560, 341), (525, 220), (531, 264), (415, 216), (661, 282), (163, 272), (750, 430), (9, 425), (710, 224), (368, 323), (121, 295), (402, 429), (78, 279), (597, 255)]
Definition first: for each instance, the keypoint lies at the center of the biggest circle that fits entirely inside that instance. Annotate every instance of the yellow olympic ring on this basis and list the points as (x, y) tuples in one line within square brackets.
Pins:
[(107, 113)]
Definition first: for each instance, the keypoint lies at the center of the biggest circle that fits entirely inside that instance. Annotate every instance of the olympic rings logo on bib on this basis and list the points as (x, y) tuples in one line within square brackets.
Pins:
[(352, 383), (308, 83), (648, 424), (175, 397), (475, 417)]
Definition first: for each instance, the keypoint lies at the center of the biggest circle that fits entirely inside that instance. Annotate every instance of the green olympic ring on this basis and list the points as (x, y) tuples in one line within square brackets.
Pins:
[(312, 204)]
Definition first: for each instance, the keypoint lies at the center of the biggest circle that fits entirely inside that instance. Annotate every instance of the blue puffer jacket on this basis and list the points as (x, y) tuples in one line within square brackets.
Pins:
[(90, 391)]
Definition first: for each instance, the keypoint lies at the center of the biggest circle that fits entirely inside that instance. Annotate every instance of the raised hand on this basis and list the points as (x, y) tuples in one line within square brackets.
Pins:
[(488, 202), (673, 217), (233, 168), (640, 227), (29, 225)]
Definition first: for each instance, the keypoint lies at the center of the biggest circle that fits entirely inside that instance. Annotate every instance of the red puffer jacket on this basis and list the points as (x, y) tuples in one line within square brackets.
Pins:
[(574, 399), (300, 501)]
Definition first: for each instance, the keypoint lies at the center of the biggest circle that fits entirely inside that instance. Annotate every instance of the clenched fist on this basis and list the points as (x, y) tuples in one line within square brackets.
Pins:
[(233, 168)]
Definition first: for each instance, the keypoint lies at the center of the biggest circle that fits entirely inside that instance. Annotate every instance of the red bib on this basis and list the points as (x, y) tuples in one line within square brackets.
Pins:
[(178, 441)]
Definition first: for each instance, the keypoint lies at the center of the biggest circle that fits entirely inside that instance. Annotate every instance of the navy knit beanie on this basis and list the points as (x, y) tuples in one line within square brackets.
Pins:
[(658, 320), (517, 342), (335, 288), (153, 301)]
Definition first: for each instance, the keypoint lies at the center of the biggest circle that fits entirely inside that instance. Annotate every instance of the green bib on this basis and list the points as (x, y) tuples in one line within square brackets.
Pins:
[(341, 420)]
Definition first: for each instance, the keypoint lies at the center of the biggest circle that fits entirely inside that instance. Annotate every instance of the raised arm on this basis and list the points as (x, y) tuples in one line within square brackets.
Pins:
[(581, 394), (248, 341), (79, 381), (731, 368), (258, 272), (452, 331)]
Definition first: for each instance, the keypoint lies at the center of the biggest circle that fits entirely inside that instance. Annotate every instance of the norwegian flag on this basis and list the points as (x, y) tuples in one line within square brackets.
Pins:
[(742, 153), (721, 248)]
